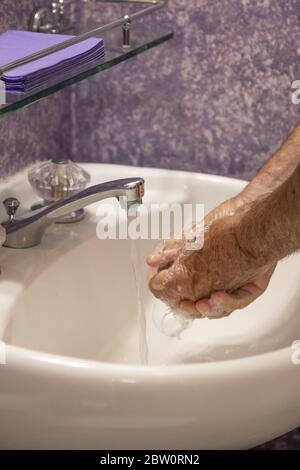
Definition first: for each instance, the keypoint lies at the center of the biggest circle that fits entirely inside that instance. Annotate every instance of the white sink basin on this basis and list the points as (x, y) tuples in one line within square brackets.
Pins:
[(73, 377)]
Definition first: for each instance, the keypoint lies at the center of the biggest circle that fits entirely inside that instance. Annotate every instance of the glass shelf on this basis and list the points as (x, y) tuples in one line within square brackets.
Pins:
[(114, 54), (145, 35)]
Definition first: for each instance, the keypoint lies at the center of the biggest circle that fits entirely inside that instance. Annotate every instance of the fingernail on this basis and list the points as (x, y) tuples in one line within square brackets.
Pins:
[(203, 309), (188, 308), (153, 259), (203, 313)]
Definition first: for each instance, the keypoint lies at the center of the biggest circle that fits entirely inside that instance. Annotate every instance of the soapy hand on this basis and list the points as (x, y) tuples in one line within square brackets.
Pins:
[(215, 280), (166, 253)]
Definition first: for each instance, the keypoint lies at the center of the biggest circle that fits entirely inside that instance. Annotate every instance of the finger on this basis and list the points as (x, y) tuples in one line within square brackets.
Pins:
[(171, 243), (223, 303), (166, 262), (151, 273), (218, 305), (169, 285), (203, 307), (162, 260), (189, 308), (162, 249), (163, 287), (161, 281)]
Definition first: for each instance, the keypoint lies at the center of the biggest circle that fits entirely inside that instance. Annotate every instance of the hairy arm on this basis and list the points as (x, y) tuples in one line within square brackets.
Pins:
[(270, 229), (277, 169)]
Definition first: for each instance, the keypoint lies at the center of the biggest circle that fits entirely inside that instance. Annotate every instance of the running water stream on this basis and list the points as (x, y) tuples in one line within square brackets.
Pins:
[(141, 312), (170, 322)]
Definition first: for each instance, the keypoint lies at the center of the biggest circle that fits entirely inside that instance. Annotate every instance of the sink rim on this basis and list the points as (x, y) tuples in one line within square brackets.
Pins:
[(58, 363)]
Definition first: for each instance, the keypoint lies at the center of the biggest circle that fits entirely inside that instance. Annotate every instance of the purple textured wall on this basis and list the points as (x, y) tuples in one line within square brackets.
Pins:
[(214, 99), (40, 131)]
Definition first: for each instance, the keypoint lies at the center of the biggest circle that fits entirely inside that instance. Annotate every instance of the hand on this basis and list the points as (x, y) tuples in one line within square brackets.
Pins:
[(214, 281), (167, 251)]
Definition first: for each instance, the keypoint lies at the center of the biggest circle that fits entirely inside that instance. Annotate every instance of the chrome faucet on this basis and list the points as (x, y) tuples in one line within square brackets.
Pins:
[(27, 230)]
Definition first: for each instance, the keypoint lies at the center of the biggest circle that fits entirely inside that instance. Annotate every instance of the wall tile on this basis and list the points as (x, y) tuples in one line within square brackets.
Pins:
[(42, 130), (217, 98)]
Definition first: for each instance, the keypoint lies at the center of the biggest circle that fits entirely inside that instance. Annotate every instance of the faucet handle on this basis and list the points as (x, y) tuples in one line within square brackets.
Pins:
[(11, 206)]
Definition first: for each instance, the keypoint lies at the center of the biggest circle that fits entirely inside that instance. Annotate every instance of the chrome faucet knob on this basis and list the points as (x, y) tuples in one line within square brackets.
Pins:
[(11, 206)]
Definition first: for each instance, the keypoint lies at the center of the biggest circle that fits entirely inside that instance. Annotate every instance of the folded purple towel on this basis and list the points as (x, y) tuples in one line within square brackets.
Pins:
[(18, 44)]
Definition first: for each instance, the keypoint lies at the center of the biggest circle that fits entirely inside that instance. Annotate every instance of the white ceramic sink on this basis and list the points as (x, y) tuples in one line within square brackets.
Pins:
[(73, 377)]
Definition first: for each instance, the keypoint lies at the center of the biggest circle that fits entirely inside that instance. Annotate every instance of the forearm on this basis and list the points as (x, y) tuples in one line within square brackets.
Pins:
[(270, 229), (277, 170)]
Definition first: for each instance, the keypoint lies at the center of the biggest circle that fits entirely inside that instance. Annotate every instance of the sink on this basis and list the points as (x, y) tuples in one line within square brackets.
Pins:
[(73, 376)]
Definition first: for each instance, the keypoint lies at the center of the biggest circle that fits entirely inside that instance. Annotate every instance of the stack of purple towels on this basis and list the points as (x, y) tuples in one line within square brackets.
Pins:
[(34, 75)]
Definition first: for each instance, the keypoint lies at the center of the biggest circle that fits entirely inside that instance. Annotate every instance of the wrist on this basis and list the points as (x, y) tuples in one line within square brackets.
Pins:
[(253, 235), (224, 254)]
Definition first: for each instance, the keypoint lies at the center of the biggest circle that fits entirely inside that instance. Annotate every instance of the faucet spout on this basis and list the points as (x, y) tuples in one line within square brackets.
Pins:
[(28, 229)]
